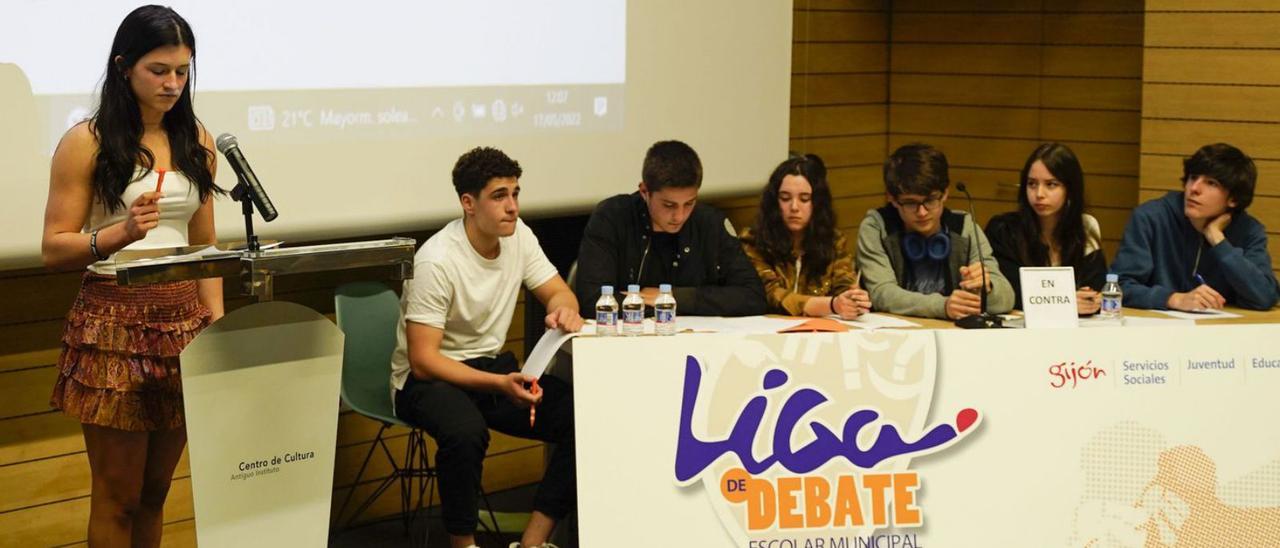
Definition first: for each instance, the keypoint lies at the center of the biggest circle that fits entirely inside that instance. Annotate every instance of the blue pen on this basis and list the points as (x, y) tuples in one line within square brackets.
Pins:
[(1199, 279)]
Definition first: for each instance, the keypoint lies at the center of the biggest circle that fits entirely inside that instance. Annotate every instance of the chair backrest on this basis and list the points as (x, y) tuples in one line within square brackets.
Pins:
[(367, 313)]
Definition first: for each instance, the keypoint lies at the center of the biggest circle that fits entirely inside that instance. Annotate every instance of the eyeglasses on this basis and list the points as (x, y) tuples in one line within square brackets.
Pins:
[(931, 204)]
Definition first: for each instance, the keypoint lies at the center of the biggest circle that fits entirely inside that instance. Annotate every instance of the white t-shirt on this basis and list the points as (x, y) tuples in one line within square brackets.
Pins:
[(468, 296)]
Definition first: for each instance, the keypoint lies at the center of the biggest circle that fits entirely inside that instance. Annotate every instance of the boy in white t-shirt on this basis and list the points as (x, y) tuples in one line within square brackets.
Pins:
[(447, 369)]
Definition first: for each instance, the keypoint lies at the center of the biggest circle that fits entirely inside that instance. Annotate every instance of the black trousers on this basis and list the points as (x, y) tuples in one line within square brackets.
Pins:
[(459, 420)]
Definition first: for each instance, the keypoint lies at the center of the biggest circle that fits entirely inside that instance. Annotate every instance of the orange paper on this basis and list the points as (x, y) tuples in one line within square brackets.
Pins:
[(819, 325)]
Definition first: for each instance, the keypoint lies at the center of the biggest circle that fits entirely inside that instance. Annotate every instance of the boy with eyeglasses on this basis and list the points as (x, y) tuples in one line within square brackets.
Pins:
[(917, 258)]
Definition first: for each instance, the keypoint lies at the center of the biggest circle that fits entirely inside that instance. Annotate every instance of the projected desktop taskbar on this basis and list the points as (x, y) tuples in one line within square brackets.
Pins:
[(304, 116), (430, 112)]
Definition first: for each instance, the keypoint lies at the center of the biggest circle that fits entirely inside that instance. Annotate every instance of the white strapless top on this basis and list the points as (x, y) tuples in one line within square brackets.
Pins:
[(181, 200)]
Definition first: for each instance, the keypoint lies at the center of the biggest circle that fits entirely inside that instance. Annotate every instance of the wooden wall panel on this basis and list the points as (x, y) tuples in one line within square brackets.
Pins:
[(958, 89), (1212, 102), (948, 120), (839, 26), (986, 82), (64, 522), (1093, 126), (1093, 61), (1083, 93), (1210, 66), (839, 57), (825, 121), (1235, 30), (1212, 74), (844, 152), (845, 5), (1259, 140), (839, 89), (972, 59), (1094, 28), (839, 98), (1210, 5)]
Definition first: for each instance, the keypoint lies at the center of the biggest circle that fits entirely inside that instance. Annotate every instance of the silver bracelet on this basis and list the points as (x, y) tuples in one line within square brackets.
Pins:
[(93, 246)]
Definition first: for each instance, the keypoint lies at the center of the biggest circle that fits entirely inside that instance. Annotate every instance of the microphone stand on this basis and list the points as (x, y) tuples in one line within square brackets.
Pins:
[(241, 194), (983, 320)]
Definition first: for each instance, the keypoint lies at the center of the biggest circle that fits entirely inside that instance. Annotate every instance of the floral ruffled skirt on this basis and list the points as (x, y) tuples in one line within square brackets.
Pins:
[(119, 362)]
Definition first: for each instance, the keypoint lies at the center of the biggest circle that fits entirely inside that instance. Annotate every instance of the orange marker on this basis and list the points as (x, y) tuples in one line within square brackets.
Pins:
[(159, 180), (533, 408)]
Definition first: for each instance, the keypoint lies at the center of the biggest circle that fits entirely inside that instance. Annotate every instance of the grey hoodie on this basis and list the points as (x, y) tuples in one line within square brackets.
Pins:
[(880, 260)]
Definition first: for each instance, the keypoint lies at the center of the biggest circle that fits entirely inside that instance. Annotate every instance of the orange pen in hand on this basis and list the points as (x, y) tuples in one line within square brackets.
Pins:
[(533, 408), (159, 180)]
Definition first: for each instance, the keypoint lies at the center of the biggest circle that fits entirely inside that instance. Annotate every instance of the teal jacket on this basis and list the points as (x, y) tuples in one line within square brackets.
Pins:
[(1157, 258)]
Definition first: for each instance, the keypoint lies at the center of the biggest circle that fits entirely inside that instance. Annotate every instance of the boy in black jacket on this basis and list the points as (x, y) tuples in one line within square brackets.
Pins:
[(660, 235)]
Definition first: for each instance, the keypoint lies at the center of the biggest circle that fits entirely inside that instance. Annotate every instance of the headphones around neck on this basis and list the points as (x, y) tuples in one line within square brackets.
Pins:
[(918, 248)]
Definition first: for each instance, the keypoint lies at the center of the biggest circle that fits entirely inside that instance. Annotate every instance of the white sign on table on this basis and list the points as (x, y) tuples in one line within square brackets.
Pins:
[(1049, 296)]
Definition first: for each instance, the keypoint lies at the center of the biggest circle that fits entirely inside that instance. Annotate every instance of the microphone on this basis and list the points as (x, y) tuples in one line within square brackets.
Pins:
[(228, 146), (982, 320)]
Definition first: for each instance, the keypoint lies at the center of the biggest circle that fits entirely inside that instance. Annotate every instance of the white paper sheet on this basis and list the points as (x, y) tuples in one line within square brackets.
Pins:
[(747, 324), (545, 351), (871, 320), (1134, 321), (1199, 315)]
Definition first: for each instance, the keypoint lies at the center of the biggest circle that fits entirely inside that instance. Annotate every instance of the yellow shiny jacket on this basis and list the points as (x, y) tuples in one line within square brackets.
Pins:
[(785, 289)]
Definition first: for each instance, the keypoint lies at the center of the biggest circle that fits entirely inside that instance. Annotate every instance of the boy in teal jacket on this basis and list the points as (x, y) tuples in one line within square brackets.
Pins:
[(1198, 249)]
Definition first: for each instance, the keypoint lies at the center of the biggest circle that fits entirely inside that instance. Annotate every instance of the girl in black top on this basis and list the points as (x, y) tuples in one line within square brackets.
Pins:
[(1050, 227)]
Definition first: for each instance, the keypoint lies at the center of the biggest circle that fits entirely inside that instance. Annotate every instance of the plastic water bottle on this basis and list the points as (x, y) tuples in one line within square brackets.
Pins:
[(664, 311), (606, 313), (633, 312), (1111, 299)]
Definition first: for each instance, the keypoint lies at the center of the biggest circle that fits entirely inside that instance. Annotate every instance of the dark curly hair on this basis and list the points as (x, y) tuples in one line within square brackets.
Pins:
[(1230, 166), (671, 164), (478, 166), (773, 239), (117, 124)]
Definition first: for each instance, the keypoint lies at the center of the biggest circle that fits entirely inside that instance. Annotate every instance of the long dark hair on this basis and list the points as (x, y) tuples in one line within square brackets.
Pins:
[(1069, 232), (773, 239), (118, 122)]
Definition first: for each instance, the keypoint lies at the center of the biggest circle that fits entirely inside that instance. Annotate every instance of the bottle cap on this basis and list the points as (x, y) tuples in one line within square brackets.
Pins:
[(1113, 277), (606, 290), (633, 288), (664, 288)]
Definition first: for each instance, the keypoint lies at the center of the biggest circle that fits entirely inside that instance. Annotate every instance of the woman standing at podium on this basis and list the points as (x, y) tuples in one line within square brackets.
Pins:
[(138, 174), (799, 254)]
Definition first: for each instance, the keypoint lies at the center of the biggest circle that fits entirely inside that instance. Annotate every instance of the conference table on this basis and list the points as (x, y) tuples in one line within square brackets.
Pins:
[(1151, 433)]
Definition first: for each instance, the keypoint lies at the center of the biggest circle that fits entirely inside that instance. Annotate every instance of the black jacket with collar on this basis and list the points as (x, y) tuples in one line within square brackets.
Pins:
[(711, 274)]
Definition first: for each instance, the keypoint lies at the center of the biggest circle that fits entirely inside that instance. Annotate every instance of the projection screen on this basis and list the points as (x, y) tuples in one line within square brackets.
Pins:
[(352, 114)]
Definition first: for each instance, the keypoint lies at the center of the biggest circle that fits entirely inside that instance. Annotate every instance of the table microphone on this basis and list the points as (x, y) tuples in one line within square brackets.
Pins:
[(983, 320)]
